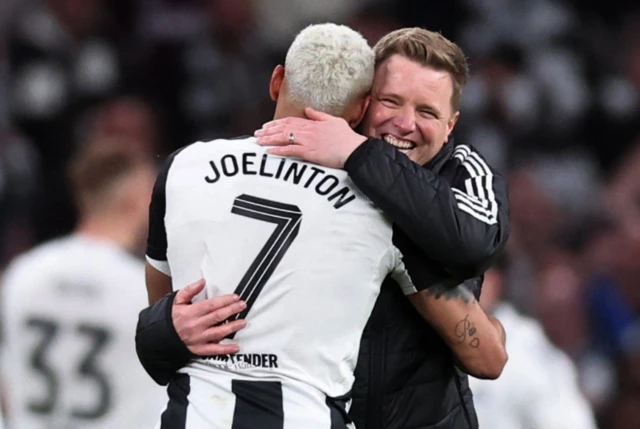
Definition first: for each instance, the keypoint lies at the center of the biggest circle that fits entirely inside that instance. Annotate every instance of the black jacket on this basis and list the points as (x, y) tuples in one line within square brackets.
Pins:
[(450, 218), (455, 209), (405, 377)]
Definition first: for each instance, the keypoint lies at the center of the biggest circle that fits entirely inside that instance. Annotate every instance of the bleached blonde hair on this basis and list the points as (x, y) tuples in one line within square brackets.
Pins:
[(328, 67)]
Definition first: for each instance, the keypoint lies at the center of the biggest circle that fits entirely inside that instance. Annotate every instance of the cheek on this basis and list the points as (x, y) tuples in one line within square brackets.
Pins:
[(431, 132), (376, 117)]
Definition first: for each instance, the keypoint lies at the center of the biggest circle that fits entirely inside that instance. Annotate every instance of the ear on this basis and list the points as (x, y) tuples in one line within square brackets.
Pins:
[(359, 111), (277, 77), (451, 124)]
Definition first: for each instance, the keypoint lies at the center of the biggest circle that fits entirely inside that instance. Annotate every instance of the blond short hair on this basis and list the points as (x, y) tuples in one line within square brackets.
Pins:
[(328, 67), (429, 49)]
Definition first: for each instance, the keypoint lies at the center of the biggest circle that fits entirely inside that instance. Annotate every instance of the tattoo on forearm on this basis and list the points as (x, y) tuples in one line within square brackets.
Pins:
[(452, 292), (466, 331)]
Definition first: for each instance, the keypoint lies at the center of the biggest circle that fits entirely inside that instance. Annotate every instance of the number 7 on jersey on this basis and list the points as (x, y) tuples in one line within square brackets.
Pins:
[(287, 219)]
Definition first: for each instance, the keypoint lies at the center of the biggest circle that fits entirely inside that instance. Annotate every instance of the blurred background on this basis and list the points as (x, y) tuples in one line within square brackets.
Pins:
[(553, 103)]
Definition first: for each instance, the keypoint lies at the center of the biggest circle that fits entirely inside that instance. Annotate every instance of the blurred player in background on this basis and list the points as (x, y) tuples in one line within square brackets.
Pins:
[(539, 387), (69, 306)]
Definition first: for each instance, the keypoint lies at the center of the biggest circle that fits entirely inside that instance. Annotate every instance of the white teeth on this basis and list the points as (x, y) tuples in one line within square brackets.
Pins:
[(400, 144)]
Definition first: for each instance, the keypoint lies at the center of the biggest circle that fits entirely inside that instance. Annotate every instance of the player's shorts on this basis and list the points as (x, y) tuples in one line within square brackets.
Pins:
[(198, 402)]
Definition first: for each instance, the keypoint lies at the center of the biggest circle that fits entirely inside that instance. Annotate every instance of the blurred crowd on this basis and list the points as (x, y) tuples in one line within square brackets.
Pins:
[(553, 103)]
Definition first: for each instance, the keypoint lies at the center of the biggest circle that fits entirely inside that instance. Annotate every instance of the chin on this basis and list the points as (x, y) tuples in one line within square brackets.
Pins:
[(418, 158)]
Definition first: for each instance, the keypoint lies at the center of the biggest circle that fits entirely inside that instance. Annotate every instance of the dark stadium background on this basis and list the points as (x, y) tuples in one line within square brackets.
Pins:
[(554, 103)]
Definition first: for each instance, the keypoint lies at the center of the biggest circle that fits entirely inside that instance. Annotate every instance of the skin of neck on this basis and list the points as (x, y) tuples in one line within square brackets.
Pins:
[(286, 109), (113, 228)]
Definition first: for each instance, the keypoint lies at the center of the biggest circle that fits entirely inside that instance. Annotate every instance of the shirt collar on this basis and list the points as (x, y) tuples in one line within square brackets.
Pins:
[(438, 161)]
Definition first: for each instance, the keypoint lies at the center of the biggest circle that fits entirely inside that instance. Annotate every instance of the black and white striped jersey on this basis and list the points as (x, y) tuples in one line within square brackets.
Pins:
[(438, 240), (298, 242)]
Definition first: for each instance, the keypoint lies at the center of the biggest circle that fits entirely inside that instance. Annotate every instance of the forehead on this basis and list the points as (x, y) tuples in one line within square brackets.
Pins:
[(413, 81)]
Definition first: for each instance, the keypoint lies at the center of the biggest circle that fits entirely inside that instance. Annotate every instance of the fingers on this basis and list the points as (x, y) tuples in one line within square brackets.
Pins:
[(215, 317), (317, 115), (271, 130), (278, 139), (212, 305), (217, 333), (186, 294), (213, 349), (207, 344), (197, 331), (295, 123), (291, 150)]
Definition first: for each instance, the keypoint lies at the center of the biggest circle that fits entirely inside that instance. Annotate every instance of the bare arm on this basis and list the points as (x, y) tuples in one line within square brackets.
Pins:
[(476, 339), (158, 283)]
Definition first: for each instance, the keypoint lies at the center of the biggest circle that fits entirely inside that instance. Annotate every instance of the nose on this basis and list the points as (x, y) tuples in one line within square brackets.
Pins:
[(405, 120)]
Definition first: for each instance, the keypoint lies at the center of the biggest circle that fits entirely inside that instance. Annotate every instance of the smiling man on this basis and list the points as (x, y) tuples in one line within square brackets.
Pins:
[(416, 115), (449, 200), (450, 213), (415, 101)]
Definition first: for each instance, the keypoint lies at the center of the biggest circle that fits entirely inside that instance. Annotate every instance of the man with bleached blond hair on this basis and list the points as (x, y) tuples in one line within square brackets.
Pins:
[(450, 214), (293, 248)]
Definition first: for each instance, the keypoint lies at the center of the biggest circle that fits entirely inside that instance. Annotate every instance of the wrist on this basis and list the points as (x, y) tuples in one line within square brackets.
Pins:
[(352, 146)]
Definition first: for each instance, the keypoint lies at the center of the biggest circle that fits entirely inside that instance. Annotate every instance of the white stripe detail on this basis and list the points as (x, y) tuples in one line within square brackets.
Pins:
[(401, 275), (162, 266), (477, 168), (474, 213), (478, 197), (472, 201), (472, 205)]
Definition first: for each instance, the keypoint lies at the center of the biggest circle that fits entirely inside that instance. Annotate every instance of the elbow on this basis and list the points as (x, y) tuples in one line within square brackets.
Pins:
[(475, 262), (489, 366), (492, 368), (479, 253)]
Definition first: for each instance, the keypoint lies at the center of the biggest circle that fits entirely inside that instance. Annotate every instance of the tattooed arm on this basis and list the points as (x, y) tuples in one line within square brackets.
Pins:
[(476, 339)]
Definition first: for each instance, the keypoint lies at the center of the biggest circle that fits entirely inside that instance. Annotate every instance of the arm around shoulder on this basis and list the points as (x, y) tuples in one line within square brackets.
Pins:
[(458, 217)]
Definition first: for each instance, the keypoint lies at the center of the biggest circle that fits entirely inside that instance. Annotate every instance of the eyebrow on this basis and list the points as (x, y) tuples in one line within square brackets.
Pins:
[(378, 93)]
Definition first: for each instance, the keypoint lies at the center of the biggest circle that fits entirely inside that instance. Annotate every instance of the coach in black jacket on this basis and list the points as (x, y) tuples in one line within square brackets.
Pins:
[(451, 216)]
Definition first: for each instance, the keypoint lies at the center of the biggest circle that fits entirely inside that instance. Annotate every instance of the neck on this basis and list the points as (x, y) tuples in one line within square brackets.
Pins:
[(286, 110), (109, 229)]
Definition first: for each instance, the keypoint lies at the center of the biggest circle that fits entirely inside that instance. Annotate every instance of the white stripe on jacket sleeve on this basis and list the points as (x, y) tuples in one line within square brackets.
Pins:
[(478, 197)]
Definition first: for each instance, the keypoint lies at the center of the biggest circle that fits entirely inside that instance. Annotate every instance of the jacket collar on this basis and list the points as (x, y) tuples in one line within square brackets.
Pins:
[(438, 161)]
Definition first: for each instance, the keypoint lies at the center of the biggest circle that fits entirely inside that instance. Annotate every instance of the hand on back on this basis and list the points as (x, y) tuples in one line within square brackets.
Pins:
[(201, 325)]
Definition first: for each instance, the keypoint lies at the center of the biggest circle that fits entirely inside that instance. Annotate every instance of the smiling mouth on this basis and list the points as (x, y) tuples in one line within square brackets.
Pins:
[(404, 145)]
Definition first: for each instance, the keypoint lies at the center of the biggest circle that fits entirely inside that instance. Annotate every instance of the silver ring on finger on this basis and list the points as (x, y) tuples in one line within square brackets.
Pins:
[(291, 138)]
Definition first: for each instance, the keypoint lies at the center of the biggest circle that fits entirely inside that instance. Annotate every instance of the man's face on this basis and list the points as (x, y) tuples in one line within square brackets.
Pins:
[(411, 108)]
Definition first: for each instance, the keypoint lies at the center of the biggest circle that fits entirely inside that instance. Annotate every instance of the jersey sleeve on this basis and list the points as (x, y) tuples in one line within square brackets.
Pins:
[(400, 274), (156, 254)]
